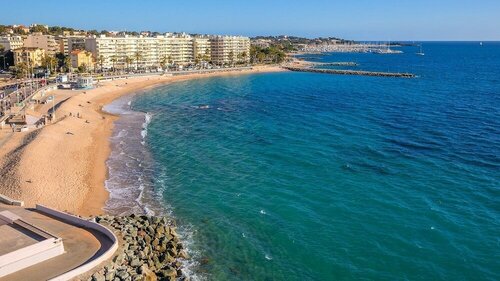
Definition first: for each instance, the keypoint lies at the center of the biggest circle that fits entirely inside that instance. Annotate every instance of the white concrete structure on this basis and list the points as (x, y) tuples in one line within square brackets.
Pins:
[(106, 254), (45, 246)]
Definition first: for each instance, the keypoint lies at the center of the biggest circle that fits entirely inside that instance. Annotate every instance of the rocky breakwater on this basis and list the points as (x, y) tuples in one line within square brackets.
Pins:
[(150, 249)]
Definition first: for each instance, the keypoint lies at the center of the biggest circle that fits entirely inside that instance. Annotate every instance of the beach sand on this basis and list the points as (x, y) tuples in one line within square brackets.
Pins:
[(63, 165)]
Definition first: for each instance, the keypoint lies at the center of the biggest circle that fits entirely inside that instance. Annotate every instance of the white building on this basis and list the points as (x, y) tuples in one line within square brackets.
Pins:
[(179, 49), (11, 42), (230, 49)]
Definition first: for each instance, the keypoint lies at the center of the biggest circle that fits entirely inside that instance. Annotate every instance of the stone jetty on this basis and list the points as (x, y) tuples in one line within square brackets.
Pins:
[(351, 72), (149, 250)]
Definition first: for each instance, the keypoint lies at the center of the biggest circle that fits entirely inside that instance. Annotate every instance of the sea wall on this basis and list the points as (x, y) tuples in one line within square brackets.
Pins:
[(150, 249)]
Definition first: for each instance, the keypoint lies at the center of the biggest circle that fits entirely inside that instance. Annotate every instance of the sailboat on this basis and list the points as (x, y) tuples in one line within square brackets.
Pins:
[(480, 43), (421, 52)]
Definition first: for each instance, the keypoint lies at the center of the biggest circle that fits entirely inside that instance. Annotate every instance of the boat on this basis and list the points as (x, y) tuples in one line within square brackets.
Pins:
[(421, 52), (480, 43)]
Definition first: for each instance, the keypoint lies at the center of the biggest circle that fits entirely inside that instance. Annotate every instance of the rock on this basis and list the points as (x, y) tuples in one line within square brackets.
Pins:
[(137, 277), (98, 277), (122, 274), (168, 273), (119, 259), (110, 276), (182, 254), (148, 274), (160, 231), (156, 242), (173, 251), (135, 263)]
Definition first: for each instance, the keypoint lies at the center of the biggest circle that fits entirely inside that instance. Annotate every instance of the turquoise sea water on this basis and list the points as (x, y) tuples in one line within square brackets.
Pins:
[(302, 176)]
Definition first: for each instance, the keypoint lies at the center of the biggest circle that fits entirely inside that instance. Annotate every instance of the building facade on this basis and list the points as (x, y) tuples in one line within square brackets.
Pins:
[(46, 42), (228, 50), (201, 48), (178, 49), (30, 56), (11, 42), (82, 58)]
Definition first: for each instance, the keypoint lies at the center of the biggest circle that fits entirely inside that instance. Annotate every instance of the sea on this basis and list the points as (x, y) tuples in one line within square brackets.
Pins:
[(307, 176)]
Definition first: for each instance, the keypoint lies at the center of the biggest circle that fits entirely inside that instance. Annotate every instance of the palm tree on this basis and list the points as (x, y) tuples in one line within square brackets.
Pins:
[(170, 61), (67, 63), (231, 58), (128, 61), (138, 56), (114, 59), (244, 56), (163, 62), (206, 56), (100, 61)]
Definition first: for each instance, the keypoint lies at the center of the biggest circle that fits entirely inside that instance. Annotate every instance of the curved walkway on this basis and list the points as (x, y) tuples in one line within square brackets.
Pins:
[(82, 246)]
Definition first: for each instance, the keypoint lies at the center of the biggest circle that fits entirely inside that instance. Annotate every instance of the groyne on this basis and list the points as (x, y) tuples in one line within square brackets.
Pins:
[(351, 72)]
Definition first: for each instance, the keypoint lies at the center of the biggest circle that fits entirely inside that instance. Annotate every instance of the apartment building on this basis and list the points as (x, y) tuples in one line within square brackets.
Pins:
[(201, 48), (180, 49), (82, 58), (124, 52), (11, 42), (230, 49), (46, 42), (30, 56), (67, 44)]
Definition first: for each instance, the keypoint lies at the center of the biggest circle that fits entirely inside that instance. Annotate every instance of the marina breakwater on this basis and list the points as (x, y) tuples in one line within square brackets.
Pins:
[(351, 72)]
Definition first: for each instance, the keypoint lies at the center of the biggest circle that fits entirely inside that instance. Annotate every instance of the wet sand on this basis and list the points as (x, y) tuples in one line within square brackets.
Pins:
[(63, 165)]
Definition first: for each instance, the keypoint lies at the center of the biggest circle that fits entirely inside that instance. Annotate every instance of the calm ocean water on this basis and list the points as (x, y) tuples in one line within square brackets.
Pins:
[(302, 176)]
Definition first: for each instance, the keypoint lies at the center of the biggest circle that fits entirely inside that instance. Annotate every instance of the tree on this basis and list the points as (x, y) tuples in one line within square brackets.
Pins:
[(198, 59), (100, 61), (39, 28), (231, 58), (128, 61), (138, 57), (67, 63), (114, 59), (82, 68), (49, 62), (206, 56), (21, 70), (163, 62)]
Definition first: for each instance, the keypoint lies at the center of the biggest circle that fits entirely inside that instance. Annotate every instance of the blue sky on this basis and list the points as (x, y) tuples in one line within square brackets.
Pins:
[(357, 19)]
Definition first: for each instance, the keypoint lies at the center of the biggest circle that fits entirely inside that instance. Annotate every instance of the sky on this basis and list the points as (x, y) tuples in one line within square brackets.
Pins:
[(380, 20)]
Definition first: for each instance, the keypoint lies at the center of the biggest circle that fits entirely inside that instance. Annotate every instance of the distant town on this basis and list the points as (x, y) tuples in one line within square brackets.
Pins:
[(40, 50)]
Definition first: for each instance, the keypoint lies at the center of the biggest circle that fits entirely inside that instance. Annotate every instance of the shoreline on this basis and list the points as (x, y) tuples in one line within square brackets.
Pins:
[(64, 166)]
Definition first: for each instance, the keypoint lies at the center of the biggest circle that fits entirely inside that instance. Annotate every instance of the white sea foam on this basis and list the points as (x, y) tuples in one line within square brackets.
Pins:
[(147, 120), (263, 212), (268, 257)]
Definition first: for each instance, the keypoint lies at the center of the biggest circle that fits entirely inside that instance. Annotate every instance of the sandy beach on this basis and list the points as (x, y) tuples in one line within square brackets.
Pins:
[(63, 165)]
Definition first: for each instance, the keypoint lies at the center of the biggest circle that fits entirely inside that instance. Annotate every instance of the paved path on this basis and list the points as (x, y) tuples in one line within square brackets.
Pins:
[(80, 246)]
